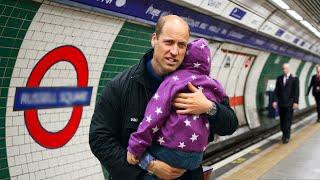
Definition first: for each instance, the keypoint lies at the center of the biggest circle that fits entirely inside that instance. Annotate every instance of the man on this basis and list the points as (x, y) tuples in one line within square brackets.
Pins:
[(124, 99), (286, 98), (315, 84)]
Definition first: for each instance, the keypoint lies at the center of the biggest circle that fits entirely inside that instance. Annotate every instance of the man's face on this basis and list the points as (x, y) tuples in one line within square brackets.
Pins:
[(169, 47), (318, 69), (285, 69)]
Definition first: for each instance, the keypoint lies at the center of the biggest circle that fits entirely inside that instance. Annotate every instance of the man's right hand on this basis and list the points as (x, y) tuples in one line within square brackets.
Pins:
[(274, 105), (164, 171)]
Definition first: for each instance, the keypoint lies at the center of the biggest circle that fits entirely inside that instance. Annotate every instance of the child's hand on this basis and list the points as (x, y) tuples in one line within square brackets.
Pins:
[(132, 159)]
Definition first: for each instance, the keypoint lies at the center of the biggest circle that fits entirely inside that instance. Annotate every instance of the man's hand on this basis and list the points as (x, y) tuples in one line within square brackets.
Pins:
[(164, 171), (275, 105), (132, 159), (295, 106), (192, 103)]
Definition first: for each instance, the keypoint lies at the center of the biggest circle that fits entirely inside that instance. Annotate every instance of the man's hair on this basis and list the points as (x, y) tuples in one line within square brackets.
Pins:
[(162, 21), (159, 26), (286, 64)]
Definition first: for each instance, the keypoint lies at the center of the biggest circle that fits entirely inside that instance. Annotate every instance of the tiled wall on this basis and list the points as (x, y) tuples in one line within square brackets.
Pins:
[(129, 46), (15, 19), (251, 89), (303, 82), (54, 25), (311, 72)]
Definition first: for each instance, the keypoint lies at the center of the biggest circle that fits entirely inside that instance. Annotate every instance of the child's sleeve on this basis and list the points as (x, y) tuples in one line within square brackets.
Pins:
[(157, 111)]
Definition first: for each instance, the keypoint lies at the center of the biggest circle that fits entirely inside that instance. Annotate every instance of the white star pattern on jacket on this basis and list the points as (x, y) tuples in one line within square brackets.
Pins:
[(160, 140), (202, 46), (193, 77), (204, 148), (175, 78), (181, 145), (155, 129), (194, 137), (195, 117), (200, 88), (188, 123), (149, 118), (207, 125), (156, 96), (208, 59), (158, 110), (196, 65)]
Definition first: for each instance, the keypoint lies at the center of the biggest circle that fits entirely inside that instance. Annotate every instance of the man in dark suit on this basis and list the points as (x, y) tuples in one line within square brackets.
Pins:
[(315, 84), (286, 98)]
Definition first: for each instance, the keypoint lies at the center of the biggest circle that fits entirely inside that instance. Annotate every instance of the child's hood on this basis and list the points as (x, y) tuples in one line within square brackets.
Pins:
[(198, 56)]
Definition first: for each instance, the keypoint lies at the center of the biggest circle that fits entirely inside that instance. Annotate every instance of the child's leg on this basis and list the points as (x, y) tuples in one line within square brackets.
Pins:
[(143, 163), (145, 159), (176, 158)]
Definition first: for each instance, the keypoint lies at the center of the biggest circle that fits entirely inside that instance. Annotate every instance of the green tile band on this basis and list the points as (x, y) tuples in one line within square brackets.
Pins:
[(15, 19), (129, 46), (308, 79), (299, 70)]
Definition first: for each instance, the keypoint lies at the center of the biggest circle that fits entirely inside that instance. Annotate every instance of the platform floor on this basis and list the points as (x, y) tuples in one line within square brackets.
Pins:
[(299, 159), (303, 163)]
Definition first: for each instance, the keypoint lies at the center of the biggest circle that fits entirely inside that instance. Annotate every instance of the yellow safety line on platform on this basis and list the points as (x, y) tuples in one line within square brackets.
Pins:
[(260, 166)]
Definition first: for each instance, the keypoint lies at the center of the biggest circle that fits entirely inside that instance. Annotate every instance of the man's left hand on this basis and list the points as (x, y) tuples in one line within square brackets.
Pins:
[(132, 159), (295, 106), (192, 103)]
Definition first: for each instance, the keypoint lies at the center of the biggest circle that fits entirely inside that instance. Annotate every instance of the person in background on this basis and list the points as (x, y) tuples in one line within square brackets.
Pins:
[(120, 109), (315, 85), (286, 99)]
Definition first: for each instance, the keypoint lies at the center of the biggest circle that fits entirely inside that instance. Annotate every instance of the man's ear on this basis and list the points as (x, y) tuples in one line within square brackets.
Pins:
[(153, 40)]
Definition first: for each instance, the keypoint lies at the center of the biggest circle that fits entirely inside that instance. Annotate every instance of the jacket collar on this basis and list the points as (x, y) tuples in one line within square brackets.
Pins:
[(140, 73), (288, 76)]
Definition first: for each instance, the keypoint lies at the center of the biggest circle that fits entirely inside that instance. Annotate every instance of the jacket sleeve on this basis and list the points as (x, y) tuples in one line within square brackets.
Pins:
[(276, 90), (224, 122), (104, 136), (310, 85), (296, 91), (157, 112)]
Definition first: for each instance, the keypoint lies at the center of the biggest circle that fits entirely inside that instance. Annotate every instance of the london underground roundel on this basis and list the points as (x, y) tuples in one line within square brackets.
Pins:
[(33, 97)]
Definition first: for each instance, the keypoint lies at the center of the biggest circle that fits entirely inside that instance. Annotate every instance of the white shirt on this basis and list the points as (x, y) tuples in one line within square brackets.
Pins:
[(285, 78)]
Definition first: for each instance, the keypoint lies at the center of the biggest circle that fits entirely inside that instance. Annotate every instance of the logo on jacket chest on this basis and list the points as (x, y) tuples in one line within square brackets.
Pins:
[(133, 119)]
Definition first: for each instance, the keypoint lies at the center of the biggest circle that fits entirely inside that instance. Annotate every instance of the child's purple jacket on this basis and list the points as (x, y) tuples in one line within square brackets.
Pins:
[(161, 123)]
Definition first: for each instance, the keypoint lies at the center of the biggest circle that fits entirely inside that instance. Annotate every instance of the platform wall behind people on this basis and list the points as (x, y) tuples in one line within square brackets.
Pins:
[(31, 31)]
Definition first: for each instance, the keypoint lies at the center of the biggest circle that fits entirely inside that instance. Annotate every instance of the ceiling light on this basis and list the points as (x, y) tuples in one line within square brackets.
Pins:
[(281, 4), (306, 24), (311, 28), (314, 30), (294, 14), (317, 33)]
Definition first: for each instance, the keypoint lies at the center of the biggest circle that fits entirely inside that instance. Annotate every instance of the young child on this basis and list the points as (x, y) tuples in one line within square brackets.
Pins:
[(179, 140)]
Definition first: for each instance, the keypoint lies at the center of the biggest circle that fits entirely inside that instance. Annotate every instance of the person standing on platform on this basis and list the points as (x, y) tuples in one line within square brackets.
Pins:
[(122, 104), (286, 99), (315, 85)]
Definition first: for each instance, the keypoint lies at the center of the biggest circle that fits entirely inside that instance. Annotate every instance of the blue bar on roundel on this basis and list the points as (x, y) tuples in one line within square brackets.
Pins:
[(51, 97)]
